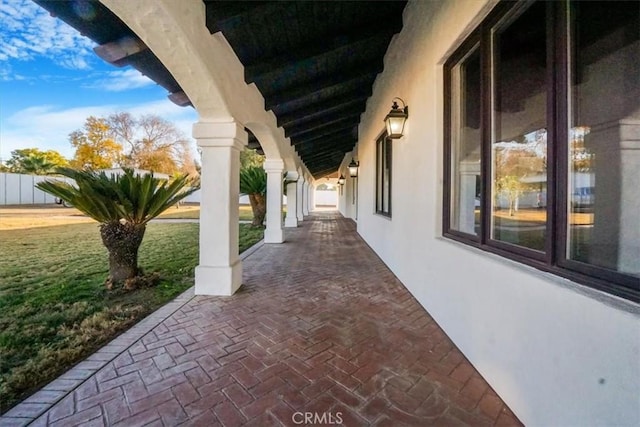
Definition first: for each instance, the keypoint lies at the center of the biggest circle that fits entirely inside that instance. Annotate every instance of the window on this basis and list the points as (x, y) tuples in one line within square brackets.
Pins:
[(383, 175), (542, 153)]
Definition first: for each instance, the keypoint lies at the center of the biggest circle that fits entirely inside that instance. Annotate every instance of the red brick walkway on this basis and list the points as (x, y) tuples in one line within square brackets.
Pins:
[(321, 328)]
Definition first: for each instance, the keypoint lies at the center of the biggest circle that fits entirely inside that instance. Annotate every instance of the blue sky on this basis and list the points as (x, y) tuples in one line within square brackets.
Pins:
[(51, 81)]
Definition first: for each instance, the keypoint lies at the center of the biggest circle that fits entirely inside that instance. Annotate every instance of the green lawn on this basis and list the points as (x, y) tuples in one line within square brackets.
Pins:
[(193, 212), (54, 310)]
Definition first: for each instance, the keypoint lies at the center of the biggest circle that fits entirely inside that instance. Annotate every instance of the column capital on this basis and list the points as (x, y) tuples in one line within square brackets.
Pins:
[(273, 165), (225, 134), (292, 176)]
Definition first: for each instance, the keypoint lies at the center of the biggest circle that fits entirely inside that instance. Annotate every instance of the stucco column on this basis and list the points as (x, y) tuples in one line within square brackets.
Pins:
[(305, 197), (273, 233), (300, 196), (220, 268), (312, 197), (291, 219)]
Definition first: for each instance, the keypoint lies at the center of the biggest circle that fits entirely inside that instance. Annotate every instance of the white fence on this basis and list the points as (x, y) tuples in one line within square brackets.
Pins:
[(322, 198), (19, 189)]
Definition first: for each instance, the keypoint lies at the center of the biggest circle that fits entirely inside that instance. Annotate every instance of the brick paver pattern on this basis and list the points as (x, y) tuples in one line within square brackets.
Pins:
[(319, 326)]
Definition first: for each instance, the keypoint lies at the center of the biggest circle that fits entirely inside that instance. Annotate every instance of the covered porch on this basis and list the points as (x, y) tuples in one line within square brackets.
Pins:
[(311, 86), (320, 328)]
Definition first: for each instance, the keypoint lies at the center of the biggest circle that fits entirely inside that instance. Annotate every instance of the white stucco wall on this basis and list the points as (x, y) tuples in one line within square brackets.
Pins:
[(556, 352), (326, 198), (348, 194)]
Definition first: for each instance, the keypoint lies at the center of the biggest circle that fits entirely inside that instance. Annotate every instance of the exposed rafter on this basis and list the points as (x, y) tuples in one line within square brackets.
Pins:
[(325, 145), (314, 62), (234, 11), (357, 40), (324, 126), (116, 52), (346, 129), (336, 118), (347, 81), (179, 98), (302, 115)]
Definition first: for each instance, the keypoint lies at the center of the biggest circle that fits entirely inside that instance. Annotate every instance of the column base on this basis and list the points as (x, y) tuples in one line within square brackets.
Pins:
[(291, 221), (273, 235), (222, 281)]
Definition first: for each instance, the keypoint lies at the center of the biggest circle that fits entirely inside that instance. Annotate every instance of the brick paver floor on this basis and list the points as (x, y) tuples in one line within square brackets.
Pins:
[(320, 329)]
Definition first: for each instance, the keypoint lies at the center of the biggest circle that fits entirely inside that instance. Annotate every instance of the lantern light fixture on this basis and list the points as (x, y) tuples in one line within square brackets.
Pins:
[(353, 168), (341, 180), (396, 119)]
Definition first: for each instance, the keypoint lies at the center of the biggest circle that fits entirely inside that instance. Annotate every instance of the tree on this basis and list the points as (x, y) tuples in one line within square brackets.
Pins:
[(34, 161), (512, 188), (95, 145), (250, 158), (152, 142), (253, 182), (189, 165), (582, 158), (123, 205)]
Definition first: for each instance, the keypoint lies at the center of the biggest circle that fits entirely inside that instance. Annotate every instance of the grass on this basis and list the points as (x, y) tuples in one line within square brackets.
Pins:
[(245, 213), (54, 310), (44, 215)]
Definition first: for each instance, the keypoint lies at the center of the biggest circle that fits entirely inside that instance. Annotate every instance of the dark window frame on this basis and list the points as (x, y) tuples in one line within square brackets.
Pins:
[(552, 259), (384, 157)]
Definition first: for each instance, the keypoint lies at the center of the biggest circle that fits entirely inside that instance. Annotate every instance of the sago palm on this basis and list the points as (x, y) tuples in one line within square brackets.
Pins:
[(253, 182), (123, 205)]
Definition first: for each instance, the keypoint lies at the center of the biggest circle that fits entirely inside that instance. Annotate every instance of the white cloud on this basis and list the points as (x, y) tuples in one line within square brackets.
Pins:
[(7, 74), (47, 127), (28, 31), (118, 81)]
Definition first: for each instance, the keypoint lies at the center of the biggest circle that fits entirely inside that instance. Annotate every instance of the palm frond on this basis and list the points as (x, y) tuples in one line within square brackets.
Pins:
[(253, 180), (128, 197)]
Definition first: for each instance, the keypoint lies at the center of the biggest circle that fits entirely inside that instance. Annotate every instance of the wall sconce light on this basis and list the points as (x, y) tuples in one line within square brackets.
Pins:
[(396, 119), (341, 180), (353, 168)]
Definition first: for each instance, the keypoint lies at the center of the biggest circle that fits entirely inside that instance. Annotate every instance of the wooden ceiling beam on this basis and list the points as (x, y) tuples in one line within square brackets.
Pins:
[(318, 110), (116, 52), (324, 145), (317, 168), (324, 172), (329, 158), (352, 118), (218, 12), (346, 80), (180, 99), (339, 130), (321, 122), (357, 40), (325, 167)]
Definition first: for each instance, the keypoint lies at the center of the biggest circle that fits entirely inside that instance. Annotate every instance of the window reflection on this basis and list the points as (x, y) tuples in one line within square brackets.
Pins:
[(466, 142), (519, 147), (604, 117)]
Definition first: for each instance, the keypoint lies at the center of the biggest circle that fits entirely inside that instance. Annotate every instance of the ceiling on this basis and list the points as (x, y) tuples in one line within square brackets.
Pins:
[(314, 62)]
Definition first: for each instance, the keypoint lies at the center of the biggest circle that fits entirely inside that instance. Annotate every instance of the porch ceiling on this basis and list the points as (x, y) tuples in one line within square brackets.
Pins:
[(314, 62)]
